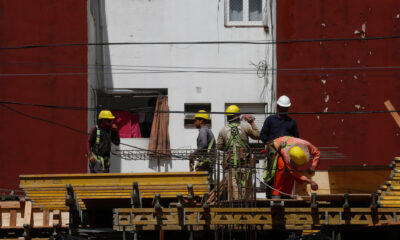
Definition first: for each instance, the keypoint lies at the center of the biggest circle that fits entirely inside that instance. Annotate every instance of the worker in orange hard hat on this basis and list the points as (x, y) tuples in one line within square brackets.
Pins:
[(289, 154), (99, 142)]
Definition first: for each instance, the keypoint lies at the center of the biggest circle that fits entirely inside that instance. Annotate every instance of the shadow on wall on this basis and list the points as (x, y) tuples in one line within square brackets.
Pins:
[(103, 64)]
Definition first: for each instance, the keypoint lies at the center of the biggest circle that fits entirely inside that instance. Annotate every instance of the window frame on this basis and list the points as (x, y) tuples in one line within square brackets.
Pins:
[(245, 22), (191, 126), (258, 122)]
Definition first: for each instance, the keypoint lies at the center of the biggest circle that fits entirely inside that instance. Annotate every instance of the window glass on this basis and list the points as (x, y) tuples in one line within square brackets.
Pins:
[(255, 9), (236, 10)]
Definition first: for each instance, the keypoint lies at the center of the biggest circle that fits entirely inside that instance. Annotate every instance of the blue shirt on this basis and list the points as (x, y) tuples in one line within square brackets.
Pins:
[(204, 139), (275, 127)]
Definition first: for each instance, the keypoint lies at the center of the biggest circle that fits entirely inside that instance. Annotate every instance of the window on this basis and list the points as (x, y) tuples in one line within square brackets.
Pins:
[(258, 111), (190, 111), (134, 111), (244, 13)]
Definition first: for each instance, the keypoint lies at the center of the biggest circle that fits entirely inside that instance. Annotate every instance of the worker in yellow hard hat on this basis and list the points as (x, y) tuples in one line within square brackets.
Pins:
[(289, 155), (99, 142), (205, 152), (234, 140)]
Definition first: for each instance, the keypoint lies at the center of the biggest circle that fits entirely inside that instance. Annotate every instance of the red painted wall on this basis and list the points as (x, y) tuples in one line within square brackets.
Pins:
[(28, 145), (363, 139)]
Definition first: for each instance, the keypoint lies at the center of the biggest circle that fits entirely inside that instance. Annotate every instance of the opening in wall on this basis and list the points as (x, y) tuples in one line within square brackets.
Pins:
[(133, 109), (190, 111)]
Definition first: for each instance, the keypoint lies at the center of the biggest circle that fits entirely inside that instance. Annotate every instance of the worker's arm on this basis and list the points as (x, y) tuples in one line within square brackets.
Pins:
[(301, 178), (265, 131), (114, 134), (90, 144), (91, 141), (316, 155), (221, 142), (252, 132)]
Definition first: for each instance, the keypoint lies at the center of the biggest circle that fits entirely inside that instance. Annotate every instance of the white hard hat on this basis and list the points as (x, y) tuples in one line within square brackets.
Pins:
[(284, 101)]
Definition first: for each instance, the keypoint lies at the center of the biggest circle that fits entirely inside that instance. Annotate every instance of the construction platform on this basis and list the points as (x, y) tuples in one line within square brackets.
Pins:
[(157, 202)]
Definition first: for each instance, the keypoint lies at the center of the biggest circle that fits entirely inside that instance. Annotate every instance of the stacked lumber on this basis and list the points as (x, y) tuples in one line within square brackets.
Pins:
[(50, 190), (23, 215), (389, 194)]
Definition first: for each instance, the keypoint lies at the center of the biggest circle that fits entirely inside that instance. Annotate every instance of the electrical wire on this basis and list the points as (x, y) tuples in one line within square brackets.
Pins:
[(158, 153), (189, 112), (199, 42), (259, 70)]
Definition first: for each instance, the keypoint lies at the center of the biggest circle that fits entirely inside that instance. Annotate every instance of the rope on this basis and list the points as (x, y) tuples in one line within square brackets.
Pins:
[(283, 193)]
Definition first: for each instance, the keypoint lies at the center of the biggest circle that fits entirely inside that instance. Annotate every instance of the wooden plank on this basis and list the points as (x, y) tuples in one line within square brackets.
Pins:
[(336, 181), (13, 218), (28, 213), (395, 115), (10, 204), (46, 217)]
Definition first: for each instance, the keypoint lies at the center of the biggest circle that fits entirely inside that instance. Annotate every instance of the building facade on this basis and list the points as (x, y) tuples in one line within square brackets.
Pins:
[(192, 76), (342, 76), (35, 139)]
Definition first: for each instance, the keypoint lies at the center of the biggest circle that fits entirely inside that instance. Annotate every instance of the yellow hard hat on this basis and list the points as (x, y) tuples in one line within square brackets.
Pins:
[(106, 114), (297, 156), (232, 110), (202, 114)]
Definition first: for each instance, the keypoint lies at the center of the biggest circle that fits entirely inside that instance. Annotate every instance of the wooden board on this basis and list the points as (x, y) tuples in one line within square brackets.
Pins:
[(49, 190), (347, 179), (25, 213)]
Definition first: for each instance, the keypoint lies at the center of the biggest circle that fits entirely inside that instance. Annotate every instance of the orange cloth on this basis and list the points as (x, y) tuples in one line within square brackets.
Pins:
[(159, 145), (314, 156)]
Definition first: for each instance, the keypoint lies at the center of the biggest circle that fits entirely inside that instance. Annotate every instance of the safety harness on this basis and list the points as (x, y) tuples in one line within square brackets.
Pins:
[(235, 136), (271, 161), (102, 160), (208, 160)]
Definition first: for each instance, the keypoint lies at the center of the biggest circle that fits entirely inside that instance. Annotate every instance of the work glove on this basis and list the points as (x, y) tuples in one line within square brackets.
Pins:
[(314, 186), (91, 159), (248, 118)]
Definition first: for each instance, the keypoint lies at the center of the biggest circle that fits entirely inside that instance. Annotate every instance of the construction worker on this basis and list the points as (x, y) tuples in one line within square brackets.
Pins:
[(289, 155), (99, 142), (280, 124), (234, 140), (205, 144)]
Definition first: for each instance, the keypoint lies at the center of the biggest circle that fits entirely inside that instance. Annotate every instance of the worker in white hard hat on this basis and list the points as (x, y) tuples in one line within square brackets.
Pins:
[(280, 124), (205, 144)]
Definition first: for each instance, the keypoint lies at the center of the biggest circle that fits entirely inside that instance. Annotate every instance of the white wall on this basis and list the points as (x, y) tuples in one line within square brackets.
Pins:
[(185, 20)]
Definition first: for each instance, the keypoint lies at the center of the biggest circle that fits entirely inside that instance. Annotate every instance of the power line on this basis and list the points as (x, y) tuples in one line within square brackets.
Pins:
[(198, 42), (240, 72), (157, 153), (189, 112)]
